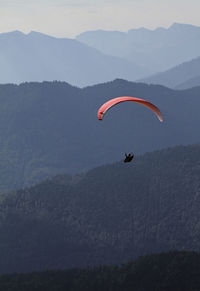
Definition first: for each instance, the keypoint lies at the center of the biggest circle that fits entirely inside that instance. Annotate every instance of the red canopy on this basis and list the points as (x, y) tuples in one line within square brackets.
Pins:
[(106, 106)]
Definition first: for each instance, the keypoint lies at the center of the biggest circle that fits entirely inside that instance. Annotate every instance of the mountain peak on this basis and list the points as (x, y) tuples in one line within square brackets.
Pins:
[(178, 26), (38, 34), (13, 33)]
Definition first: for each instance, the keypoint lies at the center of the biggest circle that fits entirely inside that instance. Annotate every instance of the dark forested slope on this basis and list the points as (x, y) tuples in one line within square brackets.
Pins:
[(161, 272), (110, 214), (51, 128)]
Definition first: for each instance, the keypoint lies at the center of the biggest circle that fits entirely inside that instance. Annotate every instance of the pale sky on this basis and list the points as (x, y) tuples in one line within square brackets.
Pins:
[(67, 18)]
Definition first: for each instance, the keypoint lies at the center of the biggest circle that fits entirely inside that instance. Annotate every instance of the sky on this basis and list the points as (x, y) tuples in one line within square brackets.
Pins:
[(68, 18)]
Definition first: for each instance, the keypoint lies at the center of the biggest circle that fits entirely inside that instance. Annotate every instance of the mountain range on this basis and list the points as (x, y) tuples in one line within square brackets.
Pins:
[(52, 127), (39, 57), (183, 76), (108, 215), (97, 56), (156, 50), (67, 199)]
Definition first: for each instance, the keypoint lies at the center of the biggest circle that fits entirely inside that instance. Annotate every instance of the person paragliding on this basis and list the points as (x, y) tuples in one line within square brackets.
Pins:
[(128, 158), (112, 102)]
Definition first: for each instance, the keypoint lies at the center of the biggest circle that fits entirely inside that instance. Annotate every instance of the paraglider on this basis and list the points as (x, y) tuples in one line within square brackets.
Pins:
[(112, 102), (128, 158)]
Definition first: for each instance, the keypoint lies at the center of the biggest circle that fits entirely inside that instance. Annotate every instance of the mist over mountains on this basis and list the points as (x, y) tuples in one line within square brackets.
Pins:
[(98, 56), (183, 76), (39, 57), (52, 127), (157, 50)]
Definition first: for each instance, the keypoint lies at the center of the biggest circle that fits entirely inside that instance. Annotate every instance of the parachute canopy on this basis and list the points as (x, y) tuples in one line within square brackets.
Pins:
[(106, 106)]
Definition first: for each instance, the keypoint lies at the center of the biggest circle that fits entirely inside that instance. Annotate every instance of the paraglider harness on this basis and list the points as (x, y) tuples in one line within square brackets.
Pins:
[(128, 158)]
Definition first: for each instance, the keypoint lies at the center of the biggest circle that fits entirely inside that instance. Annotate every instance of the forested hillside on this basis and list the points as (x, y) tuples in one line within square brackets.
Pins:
[(110, 214), (162, 272), (51, 127)]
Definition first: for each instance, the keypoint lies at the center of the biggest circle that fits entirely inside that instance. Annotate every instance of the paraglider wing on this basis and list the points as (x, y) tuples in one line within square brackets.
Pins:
[(106, 106)]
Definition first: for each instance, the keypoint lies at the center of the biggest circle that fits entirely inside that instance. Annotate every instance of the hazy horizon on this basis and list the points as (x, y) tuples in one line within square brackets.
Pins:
[(67, 18), (73, 37)]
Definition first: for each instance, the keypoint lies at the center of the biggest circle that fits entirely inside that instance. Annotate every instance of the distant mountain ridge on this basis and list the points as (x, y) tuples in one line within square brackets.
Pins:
[(158, 50), (96, 56), (183, 76), (39, 57), (193, 82)]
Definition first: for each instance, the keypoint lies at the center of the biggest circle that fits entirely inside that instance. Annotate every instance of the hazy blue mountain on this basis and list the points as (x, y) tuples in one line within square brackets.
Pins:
[(51, 127), (39, 57), (161, 272), (187, 73), (193, 82), (156, 50), (110, 214)]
